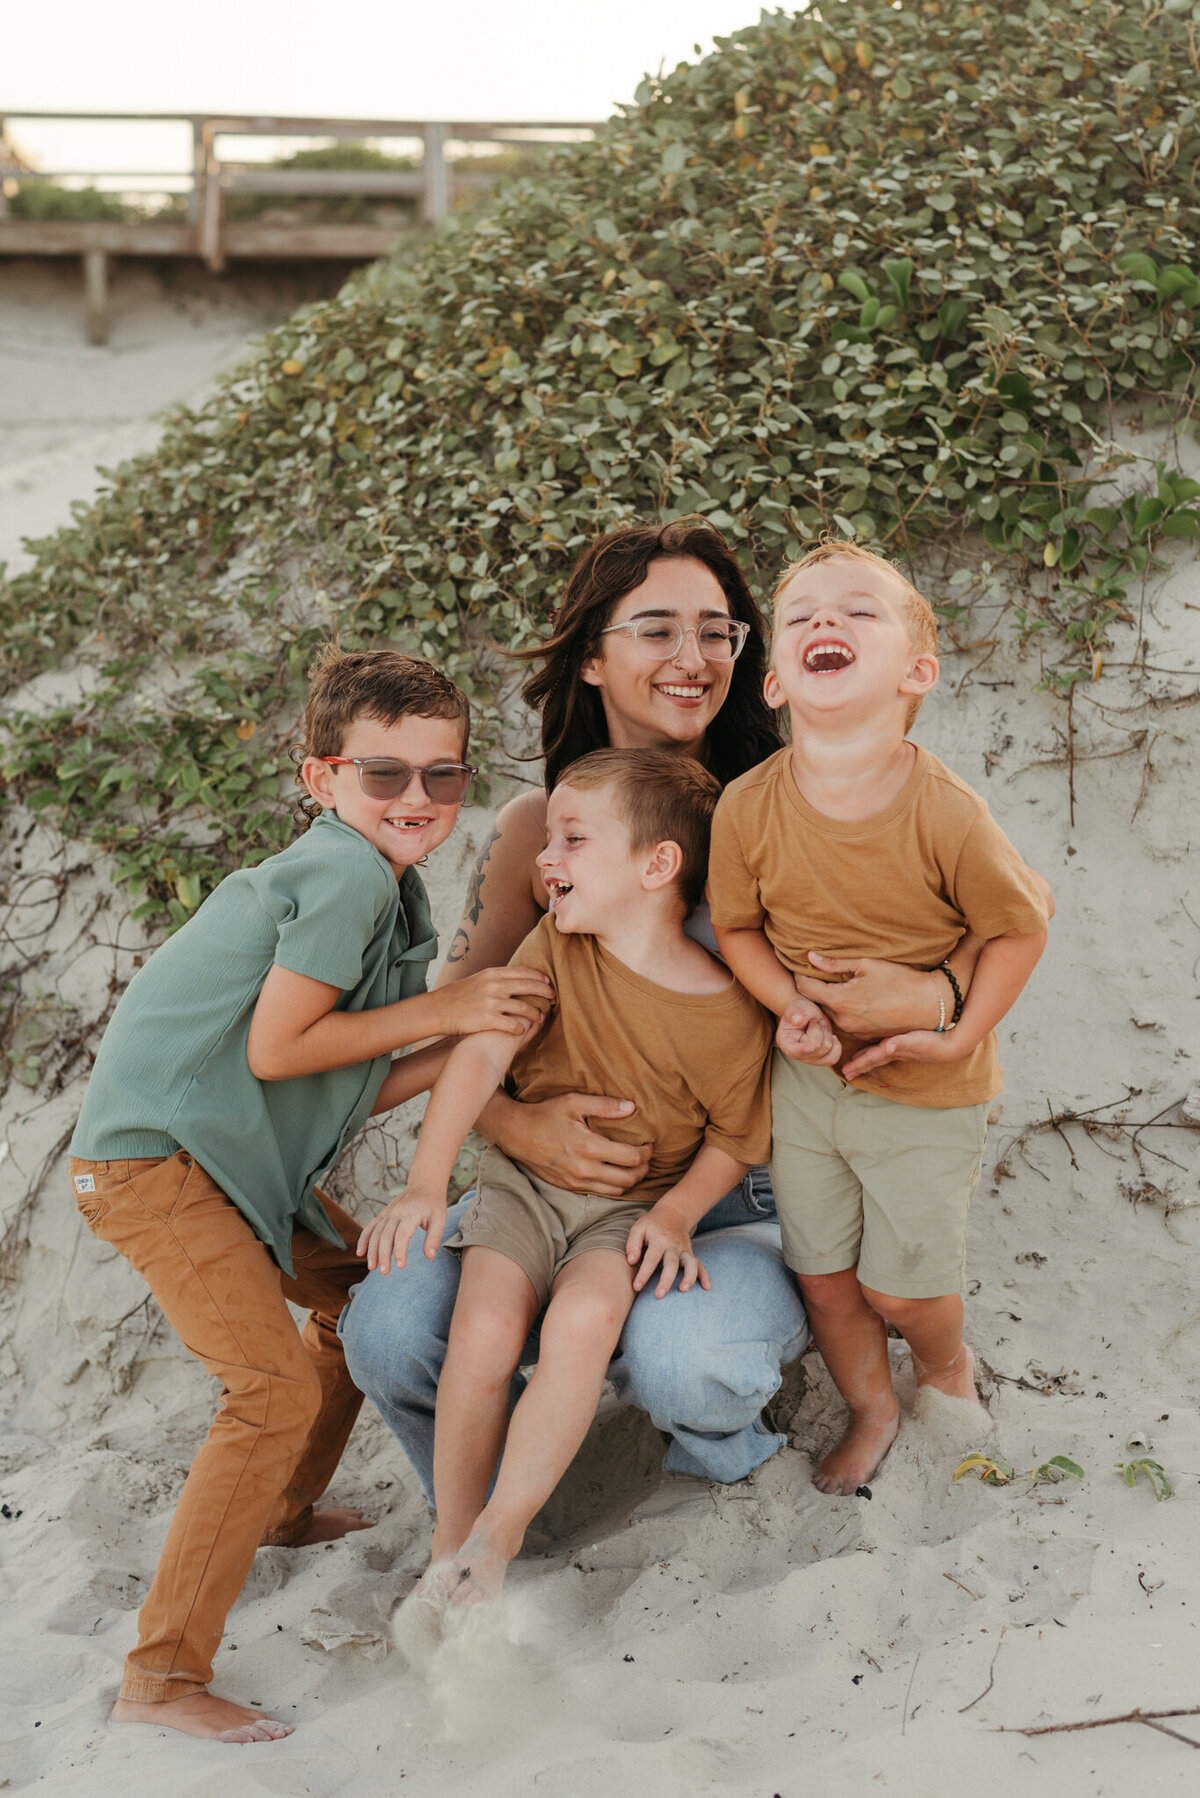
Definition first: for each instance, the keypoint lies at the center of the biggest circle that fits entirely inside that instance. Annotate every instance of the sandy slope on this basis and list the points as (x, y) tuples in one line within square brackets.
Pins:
[(665, 1634)]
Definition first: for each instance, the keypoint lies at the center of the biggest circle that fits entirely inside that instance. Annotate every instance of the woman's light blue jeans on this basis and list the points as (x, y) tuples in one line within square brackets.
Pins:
[(701, 1364)]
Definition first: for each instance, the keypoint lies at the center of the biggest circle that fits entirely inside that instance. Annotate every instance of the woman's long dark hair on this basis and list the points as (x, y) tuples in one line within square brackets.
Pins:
[(744, 731)]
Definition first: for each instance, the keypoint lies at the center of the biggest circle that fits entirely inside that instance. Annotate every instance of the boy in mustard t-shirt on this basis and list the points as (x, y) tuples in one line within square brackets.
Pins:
[(640, 1008), (854, 841), (245, 1053)]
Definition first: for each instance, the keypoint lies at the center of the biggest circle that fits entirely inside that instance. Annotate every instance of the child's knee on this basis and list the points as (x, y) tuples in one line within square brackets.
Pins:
[(832, 1294), (903, 1313), (490, 1330)]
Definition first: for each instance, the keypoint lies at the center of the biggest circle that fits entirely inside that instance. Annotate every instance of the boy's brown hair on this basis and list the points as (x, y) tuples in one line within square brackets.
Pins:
[(379, 684), (660, 797), (919, 615)]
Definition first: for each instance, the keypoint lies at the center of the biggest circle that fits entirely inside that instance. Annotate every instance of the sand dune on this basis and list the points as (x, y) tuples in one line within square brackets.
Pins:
[(662, 1634)]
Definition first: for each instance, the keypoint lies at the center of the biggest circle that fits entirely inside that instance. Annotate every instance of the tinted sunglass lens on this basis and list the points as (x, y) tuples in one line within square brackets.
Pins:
[(385, 780), (446, 786)]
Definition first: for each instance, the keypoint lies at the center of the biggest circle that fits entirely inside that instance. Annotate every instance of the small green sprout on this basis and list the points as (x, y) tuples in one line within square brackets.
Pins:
[(1058, 1467), (1160, 1485), (991, 1471)]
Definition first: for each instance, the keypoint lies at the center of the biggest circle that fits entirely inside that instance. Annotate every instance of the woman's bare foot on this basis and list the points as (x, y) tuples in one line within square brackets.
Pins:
[(857, 1456), (329, 1526), (203, 1714), (956, 1379)]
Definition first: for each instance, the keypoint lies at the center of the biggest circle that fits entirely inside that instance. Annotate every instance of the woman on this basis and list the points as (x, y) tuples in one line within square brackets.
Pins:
[(638, 658)]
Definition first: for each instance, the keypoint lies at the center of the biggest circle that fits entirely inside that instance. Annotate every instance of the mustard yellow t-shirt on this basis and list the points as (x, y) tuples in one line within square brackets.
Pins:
[(697, 1065), (904, 885)]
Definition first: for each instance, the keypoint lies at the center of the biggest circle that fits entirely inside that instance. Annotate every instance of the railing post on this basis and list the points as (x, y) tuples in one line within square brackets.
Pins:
[(435, 201), (210, 216), (95, 287), (195, 209)]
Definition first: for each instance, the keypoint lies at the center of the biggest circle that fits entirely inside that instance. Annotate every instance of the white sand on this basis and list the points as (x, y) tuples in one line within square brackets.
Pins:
[(663, 1635)]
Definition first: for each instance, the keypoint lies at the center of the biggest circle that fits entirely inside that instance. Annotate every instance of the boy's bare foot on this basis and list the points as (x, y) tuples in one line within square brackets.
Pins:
[(329, 1526), (203, 1714), (956, 1379), (857, 1456)]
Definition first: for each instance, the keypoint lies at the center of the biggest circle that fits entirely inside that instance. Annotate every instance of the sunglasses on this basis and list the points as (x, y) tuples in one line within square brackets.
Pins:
[(380, 777)]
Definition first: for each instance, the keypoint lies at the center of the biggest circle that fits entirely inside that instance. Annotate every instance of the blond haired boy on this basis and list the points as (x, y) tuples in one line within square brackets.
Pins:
[(855, 841)]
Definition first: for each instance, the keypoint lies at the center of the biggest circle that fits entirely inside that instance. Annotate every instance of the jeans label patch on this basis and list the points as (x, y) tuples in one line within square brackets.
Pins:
[(85, 1182)]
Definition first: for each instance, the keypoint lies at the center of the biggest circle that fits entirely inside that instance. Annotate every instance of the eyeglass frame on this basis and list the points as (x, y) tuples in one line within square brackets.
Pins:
[(393, 761), (738, 626)]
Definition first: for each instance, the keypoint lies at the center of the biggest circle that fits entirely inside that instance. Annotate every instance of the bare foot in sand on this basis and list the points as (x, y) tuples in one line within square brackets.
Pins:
[(956, 1379), (203, 1714), (856, 1459), (329, 1526)]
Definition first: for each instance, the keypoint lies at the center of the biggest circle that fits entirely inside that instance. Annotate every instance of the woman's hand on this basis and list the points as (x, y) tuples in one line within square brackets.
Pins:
[(804, 1035), (662, 1236), (915, 1045), (877, 997), (553, 1138), (388, 1236)]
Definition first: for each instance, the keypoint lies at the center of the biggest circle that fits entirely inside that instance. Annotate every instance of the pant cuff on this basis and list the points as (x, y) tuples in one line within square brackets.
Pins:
[(157, 1688), (286, 1535)]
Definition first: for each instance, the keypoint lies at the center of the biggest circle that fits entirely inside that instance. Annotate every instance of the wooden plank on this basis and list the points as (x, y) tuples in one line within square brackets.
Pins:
[(352, 243), (320, 181), (73, 237)]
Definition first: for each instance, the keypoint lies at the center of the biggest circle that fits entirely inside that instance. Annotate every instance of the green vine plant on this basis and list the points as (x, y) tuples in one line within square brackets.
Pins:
[(894, 271), (1148, 1470)]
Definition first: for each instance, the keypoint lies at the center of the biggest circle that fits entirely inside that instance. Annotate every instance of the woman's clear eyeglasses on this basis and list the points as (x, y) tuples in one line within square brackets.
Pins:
[(380, 777), (661, 639)]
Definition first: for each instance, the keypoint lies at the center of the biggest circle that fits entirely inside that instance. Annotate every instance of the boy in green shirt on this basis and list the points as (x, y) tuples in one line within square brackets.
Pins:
[(244, 1054)]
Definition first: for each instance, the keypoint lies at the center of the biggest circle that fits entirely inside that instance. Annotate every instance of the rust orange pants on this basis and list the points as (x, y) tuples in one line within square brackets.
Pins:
[(287, 1403)]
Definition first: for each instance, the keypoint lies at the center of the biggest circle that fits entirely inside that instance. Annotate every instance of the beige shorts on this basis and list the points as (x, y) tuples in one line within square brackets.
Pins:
[(539, 1226), (862, 1181)]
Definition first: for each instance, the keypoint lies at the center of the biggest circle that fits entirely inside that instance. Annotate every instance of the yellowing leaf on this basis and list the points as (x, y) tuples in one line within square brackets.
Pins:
[(607, 278), (864, 54), (292, 367), (741, 99), (827, 283), (1050, 554), (739, 127), (970, 70), (246, 729), (818, 149), (1097, 664)]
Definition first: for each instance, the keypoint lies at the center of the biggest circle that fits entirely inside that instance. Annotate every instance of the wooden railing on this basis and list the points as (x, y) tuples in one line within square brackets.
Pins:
[(204, 230)]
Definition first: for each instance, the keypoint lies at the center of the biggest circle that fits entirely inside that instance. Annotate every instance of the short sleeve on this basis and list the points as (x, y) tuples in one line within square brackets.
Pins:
[(327, 909), (733, 893), (991, 885), (537, 949), (739, 1120)]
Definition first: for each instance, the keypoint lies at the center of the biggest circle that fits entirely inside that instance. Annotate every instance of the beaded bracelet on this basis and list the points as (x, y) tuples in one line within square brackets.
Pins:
[(945, 968)]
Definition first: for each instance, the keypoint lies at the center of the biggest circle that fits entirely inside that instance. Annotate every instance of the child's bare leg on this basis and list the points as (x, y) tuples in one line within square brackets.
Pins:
[(580, 1331), (932, 1329), (493, 1316), (852, 1338)]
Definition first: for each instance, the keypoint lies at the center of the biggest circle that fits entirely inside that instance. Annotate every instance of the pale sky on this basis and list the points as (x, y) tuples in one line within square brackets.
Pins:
[(460, 59)]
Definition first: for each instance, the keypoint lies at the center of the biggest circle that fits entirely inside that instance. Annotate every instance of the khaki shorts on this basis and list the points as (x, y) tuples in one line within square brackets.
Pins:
[(862, 1181), (539, 1226)]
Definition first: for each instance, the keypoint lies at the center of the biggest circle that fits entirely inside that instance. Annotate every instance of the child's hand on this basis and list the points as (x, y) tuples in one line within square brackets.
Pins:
[(805, 1034), (514, 1000), (386, 1239), (661, 1236), (914, 1045)]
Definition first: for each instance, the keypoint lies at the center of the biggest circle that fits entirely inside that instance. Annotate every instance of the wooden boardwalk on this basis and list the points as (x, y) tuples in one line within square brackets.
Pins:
[(205, 233)]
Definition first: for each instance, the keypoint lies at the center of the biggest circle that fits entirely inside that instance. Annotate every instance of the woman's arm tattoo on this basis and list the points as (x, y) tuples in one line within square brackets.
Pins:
[(473, 908)]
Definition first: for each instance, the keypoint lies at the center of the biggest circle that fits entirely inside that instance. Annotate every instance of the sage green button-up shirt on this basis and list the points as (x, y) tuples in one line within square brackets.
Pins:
[(172, 1072)]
